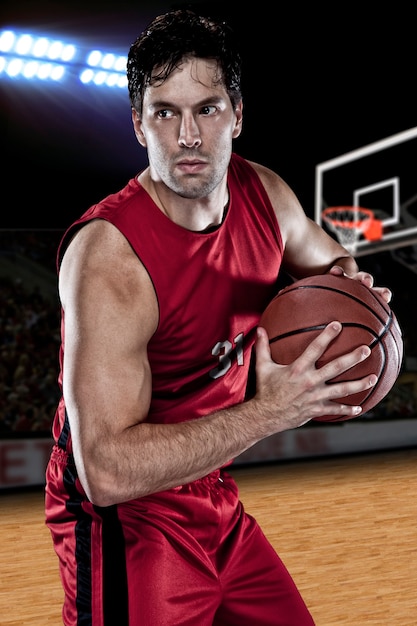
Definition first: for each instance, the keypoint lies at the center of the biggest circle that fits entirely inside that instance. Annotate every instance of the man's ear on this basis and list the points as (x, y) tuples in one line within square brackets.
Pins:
[(137, 125), (239, 119)]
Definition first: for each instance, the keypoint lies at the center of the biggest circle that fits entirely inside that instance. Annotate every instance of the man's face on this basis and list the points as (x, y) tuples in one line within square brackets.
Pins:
[(187, 126)]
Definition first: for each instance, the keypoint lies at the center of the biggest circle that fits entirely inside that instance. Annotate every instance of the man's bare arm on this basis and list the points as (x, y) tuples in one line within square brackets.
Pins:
[(110, 315)]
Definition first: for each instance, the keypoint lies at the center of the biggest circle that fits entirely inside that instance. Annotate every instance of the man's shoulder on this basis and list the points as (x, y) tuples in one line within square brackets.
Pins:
[(266, 175)]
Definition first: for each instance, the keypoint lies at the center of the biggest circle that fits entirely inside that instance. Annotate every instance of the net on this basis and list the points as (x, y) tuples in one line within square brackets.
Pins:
[(348, 223)]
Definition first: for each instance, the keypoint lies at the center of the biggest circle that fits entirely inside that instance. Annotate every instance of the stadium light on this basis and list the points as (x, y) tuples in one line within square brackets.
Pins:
[(30, 57)]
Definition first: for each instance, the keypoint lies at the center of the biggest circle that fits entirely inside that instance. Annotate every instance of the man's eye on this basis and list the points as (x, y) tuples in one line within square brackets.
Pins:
[(208, 110), (164, 113)]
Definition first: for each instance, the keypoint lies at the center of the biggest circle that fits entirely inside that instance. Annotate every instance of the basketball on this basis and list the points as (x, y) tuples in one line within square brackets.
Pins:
[(299, 312)]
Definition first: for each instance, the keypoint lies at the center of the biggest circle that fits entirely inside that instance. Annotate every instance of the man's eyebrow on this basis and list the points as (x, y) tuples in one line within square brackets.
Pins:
[(165, 104)]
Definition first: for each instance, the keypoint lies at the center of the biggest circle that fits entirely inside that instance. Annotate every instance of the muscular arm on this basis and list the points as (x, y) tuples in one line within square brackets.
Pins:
[(110, 314), (308, 249)]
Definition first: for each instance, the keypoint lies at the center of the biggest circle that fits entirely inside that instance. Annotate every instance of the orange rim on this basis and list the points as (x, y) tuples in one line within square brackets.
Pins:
[(330, 215)]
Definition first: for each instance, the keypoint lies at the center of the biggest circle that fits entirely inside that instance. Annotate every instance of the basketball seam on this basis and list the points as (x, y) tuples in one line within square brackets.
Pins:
[(341, 292), (307, 329)]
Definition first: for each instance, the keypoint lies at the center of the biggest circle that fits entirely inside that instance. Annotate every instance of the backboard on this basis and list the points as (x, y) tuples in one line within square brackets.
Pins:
[(381, 176)]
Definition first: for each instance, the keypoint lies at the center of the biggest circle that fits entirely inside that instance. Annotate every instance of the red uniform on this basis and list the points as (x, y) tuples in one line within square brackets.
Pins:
[(190, 555)]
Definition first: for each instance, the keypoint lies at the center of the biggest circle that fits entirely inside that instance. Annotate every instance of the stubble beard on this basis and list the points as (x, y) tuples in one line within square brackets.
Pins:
[(195, 186)]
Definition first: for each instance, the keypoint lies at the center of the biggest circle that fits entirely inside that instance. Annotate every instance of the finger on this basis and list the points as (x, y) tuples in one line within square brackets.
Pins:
[(337, 270), (263, 350), (344, 362), (331, 402), (347, 388), (336, 409), (385, 293), (365, 278), (318, 346)]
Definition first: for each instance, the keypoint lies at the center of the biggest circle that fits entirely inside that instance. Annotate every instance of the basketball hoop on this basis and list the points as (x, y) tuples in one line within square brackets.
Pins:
[(350, 222)]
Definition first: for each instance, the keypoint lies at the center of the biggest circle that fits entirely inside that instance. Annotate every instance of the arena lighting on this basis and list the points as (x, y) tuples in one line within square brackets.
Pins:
[(33, 57)]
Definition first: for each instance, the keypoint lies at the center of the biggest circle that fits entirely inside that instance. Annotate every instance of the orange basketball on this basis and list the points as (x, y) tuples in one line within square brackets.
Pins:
[(299, 312)]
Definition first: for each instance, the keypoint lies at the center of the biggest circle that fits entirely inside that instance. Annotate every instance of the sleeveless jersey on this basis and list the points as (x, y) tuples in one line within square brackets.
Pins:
[(211, 289)]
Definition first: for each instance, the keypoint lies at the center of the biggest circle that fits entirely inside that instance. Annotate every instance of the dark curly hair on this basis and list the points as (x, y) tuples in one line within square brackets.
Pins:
[(175, 36)]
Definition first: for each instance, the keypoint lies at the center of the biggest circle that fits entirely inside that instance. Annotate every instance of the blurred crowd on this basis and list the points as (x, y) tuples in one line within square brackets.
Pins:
[(29, 344)]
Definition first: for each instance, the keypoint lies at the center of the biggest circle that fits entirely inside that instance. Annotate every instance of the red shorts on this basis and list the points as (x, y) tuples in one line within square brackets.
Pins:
[(189, 556)]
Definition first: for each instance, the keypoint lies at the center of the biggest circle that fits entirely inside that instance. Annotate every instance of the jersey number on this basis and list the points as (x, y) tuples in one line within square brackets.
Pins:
[(226, 353)]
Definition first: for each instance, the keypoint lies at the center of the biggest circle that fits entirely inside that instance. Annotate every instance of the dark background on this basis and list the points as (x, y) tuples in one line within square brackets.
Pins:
[(319, 80)]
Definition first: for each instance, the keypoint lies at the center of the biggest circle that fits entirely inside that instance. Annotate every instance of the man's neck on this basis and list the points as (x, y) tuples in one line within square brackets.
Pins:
[(195, 214)]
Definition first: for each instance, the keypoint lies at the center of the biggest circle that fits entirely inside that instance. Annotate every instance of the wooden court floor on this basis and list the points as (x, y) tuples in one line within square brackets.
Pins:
[(346, 527)]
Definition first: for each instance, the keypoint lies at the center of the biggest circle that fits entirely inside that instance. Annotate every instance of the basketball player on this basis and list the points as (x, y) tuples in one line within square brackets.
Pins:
[(162, 287)]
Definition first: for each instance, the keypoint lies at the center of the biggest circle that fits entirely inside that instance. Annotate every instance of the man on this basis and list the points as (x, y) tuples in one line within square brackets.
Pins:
[(162, 287)]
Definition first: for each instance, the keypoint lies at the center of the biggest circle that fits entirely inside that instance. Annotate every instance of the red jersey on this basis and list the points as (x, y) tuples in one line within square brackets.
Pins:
[(211, 289)]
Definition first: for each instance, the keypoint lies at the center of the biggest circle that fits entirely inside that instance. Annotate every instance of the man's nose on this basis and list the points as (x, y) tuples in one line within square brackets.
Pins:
[(189, 135)]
